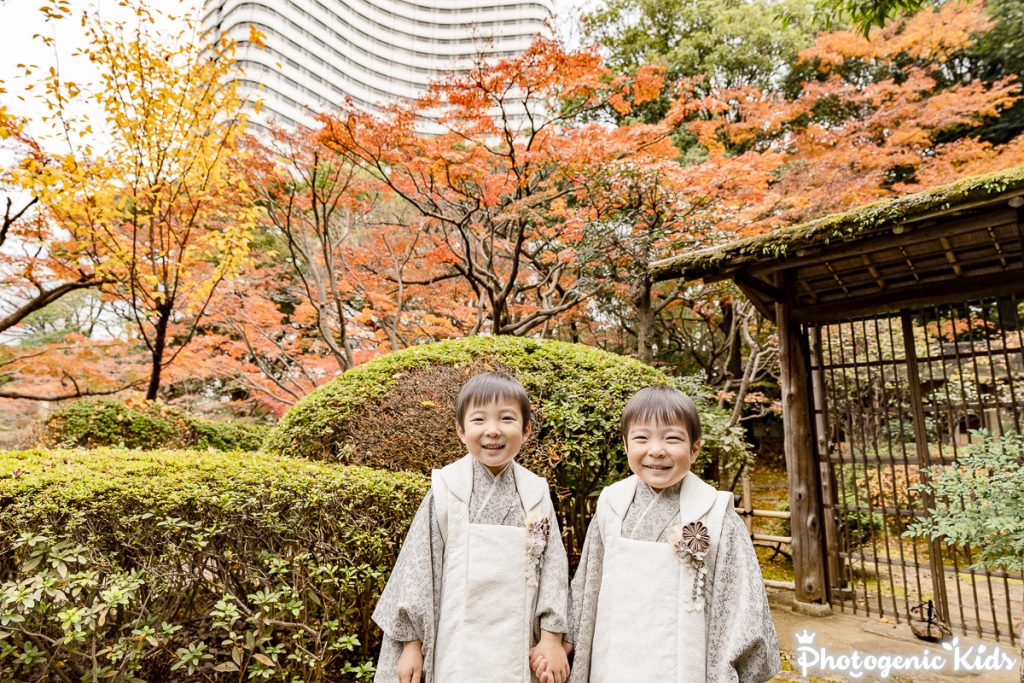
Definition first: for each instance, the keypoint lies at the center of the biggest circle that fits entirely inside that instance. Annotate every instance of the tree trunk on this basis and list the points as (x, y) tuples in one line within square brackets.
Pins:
[(1020, 642), (644, 320), (159, 346), (498, 314)]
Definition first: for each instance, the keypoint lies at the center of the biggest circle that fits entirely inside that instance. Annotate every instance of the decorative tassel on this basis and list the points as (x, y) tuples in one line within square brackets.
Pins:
[(690, 544)]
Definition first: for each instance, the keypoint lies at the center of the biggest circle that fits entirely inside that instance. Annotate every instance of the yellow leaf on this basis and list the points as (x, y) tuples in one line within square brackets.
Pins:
[(263, 659)]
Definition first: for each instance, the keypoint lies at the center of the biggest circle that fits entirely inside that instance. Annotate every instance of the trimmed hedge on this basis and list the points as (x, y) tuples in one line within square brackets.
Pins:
[(397, 412), (144, 424), (188, 565)]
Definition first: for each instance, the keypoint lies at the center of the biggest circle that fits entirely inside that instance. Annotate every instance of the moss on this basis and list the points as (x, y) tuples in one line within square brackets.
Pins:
[(840, 226), (143, 424)]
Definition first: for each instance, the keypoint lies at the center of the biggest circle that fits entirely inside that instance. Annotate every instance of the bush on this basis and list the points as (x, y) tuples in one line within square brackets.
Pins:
[(398, 412), (144, 424), (172, 566)]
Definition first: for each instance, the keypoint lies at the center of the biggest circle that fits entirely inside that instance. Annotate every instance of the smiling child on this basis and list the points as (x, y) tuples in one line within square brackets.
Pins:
[(482, 574), (668, 589)]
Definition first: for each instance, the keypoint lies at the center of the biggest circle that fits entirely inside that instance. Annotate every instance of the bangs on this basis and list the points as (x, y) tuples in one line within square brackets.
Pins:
[(492, 387), (662, 405)]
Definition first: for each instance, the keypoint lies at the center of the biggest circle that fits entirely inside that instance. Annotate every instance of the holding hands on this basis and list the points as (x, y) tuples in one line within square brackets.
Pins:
[(549, 658)]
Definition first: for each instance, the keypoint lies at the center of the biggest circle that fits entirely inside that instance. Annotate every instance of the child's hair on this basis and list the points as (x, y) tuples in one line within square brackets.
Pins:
[(663, 405), (490, 387)]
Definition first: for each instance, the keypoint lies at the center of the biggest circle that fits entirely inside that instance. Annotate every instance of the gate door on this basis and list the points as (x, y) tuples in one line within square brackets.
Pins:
[(892, 395)]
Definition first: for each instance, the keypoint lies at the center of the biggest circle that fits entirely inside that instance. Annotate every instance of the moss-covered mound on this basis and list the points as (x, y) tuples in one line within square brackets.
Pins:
[(397, 412), (143, 424), (193, 565)]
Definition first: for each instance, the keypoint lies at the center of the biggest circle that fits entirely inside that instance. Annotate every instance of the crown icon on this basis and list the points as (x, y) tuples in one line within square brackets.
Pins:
[(805, 637)]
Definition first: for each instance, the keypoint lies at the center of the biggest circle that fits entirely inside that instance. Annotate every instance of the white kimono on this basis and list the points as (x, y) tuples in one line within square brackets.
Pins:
[(459, 602), (628, 558)]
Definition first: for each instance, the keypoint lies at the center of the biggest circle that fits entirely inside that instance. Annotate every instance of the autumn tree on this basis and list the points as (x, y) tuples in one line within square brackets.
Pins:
[(846, 140), (513, 145), (726, 44), (151, 193), (340, 274), (36, 268), (49, 291), (318, 205)]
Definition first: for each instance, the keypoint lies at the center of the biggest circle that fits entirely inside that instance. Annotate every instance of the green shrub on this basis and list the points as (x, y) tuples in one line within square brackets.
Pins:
[(143, 424), (189, 565), (979, 500), (397, 412)]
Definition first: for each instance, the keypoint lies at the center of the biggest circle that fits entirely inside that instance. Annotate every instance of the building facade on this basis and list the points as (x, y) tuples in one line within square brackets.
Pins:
[(317, 53)]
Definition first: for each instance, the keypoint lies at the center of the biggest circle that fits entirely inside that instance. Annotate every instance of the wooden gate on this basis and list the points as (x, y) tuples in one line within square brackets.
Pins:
[(893, 394)]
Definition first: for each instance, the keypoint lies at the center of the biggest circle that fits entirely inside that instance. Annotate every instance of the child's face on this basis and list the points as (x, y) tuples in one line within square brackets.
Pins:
[(660, 454), (493, 433)]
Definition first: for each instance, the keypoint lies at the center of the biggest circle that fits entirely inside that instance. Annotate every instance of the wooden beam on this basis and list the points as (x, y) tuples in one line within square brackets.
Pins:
[(998, 247), (872, 270), (910, 264), (927, 294), (809, 555), (810, 293), (870, 243), (935, 270), (769, 291), (951, 257), (764, 308)]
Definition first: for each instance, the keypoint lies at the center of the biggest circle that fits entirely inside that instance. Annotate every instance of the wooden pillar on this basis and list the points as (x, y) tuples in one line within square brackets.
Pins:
[(809, 556), (826, 473), (924, 461)]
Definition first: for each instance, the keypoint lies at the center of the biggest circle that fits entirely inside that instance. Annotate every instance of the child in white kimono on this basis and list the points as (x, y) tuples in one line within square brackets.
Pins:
[(668, 589), (482, 574)]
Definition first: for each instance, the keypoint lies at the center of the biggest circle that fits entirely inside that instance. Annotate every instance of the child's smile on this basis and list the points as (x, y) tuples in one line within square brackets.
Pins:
[(493, 433), (660, 455)]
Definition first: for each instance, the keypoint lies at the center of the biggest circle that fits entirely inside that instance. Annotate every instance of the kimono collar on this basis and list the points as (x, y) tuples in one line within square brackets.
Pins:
[(458, 476), (695, 497)]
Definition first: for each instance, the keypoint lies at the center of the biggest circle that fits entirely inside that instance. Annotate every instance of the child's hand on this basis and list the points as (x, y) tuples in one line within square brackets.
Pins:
[(538, 665), (410, 664), (551, 661)]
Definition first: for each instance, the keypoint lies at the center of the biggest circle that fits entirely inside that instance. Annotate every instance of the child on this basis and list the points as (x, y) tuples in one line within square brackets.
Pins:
[(668, 588), (482, 575)]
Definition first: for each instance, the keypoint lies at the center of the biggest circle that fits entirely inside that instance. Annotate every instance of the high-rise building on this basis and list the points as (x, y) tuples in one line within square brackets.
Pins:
[(318, 52)]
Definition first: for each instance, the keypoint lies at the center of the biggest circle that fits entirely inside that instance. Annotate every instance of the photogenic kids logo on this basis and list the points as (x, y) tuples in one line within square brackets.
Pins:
[(968, 659)]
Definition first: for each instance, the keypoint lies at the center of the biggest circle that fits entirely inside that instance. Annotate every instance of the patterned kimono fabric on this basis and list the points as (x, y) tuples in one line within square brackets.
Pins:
[(410, 608), (717, 632)]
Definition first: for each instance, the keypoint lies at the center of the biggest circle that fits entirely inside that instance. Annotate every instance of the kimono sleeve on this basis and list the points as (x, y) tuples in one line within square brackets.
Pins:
[(586, 585), (741, 642), (553, 588), (408, 605)]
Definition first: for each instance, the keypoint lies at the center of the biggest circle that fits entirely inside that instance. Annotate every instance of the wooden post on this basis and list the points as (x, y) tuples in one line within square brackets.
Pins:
[(924, 461), (809, 557), (825, 470), (748, 505)]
